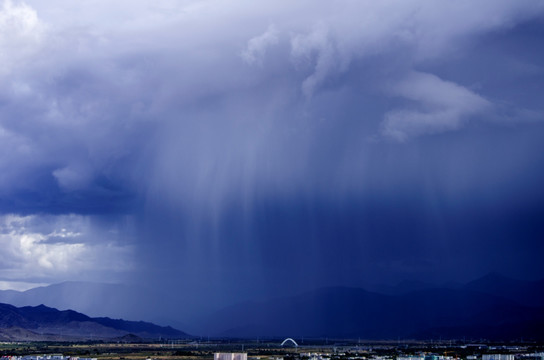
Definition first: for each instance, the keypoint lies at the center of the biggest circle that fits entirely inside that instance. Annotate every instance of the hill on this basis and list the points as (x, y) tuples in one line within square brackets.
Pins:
[(45, 323)]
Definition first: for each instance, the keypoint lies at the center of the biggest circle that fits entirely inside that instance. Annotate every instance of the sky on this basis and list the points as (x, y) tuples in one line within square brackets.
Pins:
[(228, 151)]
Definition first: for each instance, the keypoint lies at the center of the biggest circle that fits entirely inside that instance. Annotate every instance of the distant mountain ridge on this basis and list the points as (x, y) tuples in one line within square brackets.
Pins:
[(101, 300), (407, 286), (493, 306), (79, 296), (529, 293), (42, 322), (480, 309)]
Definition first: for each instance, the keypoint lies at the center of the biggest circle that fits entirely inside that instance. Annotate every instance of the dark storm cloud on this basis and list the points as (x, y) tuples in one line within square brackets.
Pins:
[(83, 110), (267, 148)]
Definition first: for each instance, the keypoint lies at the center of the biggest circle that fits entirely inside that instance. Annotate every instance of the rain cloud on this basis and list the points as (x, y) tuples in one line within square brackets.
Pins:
[(264, 148)]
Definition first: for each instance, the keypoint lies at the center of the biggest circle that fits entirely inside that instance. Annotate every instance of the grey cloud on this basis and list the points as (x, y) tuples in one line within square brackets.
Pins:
[(72, 178), (257, 46), (123, 93), (326, 57)]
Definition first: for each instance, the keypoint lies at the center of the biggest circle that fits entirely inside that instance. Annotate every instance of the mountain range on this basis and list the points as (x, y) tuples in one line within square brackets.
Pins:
[(492, 307), (356, 313), (45, 323)]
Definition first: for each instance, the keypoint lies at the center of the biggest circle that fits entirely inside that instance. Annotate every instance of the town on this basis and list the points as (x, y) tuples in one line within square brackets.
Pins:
[(287, 349)]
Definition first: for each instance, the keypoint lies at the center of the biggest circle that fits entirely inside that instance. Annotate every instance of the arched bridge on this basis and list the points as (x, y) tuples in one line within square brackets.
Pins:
[(291, 340)]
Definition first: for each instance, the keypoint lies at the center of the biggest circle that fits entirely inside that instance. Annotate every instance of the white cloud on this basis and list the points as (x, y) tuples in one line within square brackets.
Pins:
[(53, 248), (21, 33), (440, 106)]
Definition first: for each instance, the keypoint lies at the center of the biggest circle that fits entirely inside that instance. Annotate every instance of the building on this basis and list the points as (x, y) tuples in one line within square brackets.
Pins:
[(230, 356), (498, 357)]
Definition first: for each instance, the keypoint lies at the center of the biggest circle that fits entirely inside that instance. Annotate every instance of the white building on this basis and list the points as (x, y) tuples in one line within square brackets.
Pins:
[(498, 357), (410, 357), (230, 356)]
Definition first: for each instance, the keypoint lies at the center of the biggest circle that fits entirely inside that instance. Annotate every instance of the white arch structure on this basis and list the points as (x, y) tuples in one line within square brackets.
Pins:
[(291, 340)]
